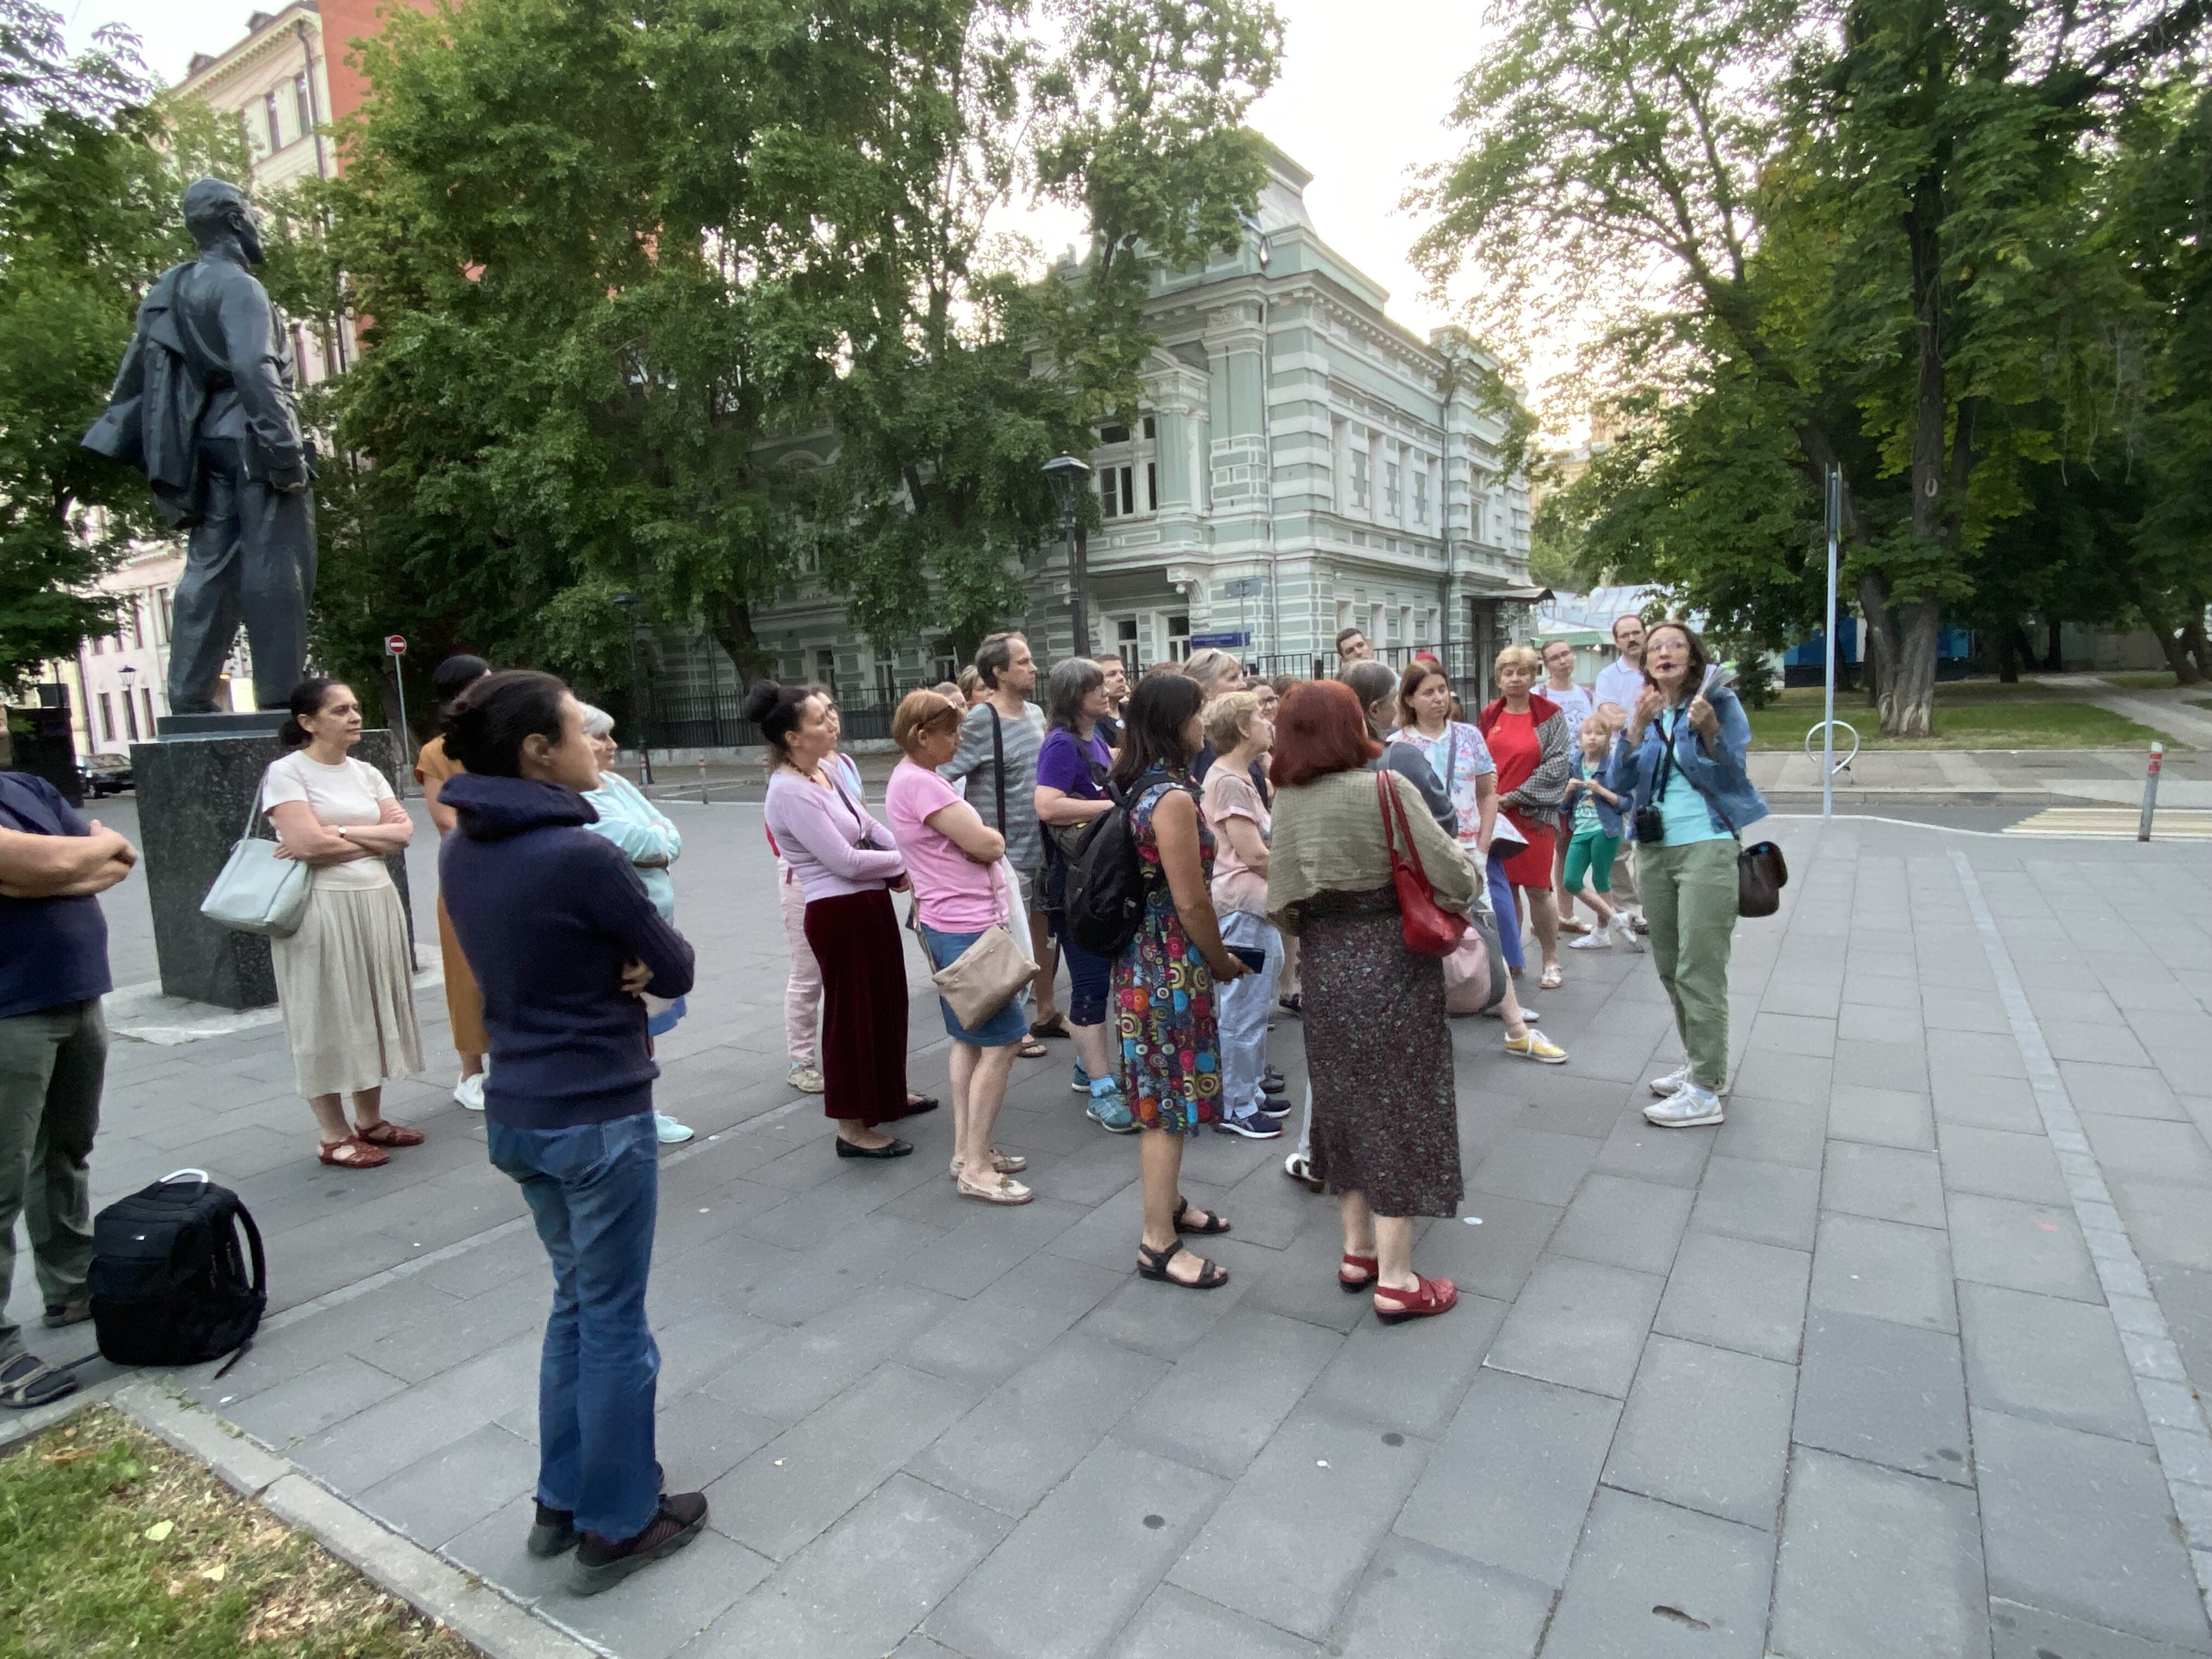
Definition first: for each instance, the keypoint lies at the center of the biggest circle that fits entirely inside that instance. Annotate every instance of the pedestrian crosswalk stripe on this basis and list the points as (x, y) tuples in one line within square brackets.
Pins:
[(2114, 823)]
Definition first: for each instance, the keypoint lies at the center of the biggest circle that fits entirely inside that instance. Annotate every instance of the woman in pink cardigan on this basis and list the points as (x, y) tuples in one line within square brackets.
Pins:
[(848, 866)]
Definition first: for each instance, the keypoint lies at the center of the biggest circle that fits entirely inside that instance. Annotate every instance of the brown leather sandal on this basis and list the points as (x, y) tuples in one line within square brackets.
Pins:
[(384, 1133), (353, 1153)]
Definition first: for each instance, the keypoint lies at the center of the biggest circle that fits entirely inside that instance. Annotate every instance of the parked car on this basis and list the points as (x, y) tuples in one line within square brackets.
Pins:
[(105, 774)]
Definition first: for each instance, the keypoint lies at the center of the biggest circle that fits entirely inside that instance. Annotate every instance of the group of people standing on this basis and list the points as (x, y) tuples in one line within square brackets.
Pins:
[(1270, 823)]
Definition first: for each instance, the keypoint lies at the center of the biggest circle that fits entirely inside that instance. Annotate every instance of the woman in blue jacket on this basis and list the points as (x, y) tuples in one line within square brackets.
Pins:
[(564, 941), (1683, 758)]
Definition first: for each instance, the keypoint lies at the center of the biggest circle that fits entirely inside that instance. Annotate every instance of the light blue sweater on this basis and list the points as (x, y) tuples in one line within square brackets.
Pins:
[(643, 832)]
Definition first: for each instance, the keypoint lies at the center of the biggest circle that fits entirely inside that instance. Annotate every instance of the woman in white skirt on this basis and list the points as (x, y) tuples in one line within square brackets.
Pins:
[(343, 981)]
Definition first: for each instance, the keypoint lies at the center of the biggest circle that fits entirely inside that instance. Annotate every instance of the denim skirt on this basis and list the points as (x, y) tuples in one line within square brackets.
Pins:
[(1010, 1025)]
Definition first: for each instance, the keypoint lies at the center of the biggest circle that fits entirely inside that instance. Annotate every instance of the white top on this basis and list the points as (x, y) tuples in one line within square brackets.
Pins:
[(1619, 681), (1575, 703), (350, 792)]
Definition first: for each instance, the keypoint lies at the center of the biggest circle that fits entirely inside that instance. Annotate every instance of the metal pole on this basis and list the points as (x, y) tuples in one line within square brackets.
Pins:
[(1079, 624), (399, 679), (2150, 791), (1828, 632)]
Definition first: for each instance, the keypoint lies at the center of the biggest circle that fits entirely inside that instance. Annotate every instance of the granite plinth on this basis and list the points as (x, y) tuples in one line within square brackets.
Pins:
[(194, 794), (252, 723)]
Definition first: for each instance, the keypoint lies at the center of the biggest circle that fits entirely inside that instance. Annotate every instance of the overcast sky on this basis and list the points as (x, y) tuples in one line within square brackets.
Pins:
[(1361, 102)]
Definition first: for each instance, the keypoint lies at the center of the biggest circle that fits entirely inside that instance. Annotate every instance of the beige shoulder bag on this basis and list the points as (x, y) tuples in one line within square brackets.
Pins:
[(990, 973)]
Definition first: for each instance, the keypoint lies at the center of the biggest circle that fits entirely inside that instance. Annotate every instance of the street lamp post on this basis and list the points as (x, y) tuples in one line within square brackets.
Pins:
[(1067, 476), (627, 602), (130, 708)]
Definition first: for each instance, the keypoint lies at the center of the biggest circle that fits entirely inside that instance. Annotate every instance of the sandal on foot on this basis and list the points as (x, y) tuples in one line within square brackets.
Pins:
[(384, 1133), (1153, 1264), (1293, 1004), (1428, 1297), (1301, 1171), (1054, 1027), (353, 1153), (1212, 1224), (26, 1380), (1553, 979), (1032, 1050), (1362, 1265)]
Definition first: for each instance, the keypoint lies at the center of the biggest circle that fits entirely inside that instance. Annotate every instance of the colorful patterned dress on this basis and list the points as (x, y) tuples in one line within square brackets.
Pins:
[(1163, 1004)]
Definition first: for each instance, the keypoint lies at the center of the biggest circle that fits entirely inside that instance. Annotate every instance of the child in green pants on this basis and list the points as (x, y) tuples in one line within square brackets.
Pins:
[(1595, 840)]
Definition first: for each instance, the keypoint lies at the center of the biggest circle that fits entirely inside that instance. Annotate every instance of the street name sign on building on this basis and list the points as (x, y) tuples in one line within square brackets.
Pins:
[(1219, 641)]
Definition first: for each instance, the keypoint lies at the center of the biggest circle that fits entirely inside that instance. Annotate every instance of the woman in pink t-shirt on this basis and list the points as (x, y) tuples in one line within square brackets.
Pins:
[(952, 857)]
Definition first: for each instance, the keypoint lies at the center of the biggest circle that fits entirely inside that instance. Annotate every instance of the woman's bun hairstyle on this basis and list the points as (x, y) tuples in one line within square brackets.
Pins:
[(305, 703), (774, 711), (489, 720)]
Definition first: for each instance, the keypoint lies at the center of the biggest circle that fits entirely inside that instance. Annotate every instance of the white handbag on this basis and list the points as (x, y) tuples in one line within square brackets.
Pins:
[(257, 891), (990, 973)]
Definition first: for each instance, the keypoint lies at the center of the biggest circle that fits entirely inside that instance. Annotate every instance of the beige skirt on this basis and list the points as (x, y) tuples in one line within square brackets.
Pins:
[(343, 983)]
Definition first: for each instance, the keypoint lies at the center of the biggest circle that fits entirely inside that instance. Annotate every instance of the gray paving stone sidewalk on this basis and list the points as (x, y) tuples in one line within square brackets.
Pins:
[(1847, 1375)]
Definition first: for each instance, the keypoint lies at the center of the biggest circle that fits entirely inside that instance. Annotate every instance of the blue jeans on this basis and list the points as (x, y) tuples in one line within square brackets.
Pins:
[(1508, 914), (594, 1191), (1243, 1005)]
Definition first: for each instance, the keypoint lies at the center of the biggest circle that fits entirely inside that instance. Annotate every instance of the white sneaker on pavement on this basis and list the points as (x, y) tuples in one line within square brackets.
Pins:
[(469, 1092), (1687, 1107), (1598, 938), (807, 1079), (1624, 933), (1674, 1082), (671, 1133)]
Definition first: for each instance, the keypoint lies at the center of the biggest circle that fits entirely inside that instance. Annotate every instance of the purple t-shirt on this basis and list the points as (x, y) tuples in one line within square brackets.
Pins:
[(955, 893), (1059, 764)]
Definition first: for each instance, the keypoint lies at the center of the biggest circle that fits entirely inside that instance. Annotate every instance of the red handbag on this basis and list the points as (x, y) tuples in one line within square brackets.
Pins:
[(1430, 930)]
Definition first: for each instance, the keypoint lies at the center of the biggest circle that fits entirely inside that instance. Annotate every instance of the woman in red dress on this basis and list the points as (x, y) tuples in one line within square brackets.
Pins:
[(1528, 738)]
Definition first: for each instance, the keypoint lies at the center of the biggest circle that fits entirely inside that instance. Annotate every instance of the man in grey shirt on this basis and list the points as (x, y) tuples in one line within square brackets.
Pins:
[(999, 739)]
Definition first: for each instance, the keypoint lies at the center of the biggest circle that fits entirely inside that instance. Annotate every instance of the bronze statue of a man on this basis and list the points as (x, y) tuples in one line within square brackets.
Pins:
[(203, 405)]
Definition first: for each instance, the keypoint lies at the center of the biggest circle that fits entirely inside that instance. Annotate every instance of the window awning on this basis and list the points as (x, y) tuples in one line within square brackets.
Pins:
[(1521, 595)]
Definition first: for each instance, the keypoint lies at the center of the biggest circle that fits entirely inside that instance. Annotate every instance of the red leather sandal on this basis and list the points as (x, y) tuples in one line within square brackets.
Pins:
[(1362, 1265), (1428, 1297)]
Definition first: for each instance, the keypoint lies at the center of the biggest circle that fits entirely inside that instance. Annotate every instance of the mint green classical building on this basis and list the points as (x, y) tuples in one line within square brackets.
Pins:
[(1302, 465)]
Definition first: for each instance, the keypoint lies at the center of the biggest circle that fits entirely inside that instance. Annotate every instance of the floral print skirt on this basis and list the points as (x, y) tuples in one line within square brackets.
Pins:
[(1385, 1113), (1164, 1013)]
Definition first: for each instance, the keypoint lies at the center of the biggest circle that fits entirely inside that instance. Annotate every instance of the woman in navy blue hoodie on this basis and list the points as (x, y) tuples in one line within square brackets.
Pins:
[(563, 939)]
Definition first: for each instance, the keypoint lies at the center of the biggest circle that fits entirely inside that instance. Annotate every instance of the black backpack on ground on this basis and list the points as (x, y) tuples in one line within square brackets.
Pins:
[(169, 1281), (1106, 879)]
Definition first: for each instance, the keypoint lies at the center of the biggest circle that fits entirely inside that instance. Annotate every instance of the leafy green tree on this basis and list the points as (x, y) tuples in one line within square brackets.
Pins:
[(620, 263), (1879, 212), (91, 167)]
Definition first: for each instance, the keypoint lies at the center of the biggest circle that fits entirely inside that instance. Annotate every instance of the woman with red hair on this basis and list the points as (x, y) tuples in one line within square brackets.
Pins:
[(1384, 1117)]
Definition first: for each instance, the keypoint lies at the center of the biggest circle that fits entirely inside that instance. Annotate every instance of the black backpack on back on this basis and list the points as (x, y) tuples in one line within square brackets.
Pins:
[(1106, 879), (169, 1281)]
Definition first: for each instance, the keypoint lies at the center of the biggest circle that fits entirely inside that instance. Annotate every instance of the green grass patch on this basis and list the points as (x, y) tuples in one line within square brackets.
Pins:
[(1969, 714), (116, 1544), (2151, 679)]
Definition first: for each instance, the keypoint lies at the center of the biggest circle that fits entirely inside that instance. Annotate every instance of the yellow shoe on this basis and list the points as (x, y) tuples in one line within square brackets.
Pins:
[(1537, 1046)]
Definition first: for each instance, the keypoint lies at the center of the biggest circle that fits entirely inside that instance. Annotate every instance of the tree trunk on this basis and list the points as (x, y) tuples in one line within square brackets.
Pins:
[(2176, 656), (735, 634), (1881, 654), (2054, 649), (2012, 647), (1908, 704), (2192, 635)]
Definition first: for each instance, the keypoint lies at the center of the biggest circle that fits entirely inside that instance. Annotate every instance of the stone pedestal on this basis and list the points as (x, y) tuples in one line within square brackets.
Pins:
[(194, 794)]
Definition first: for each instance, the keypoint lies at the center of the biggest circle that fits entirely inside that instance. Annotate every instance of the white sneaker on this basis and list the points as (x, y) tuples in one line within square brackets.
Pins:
[(1674, 1082), (1598, 938), (1624, 933), (671, 1133), (1687, 1107), (807, 1079), (469, 1092)]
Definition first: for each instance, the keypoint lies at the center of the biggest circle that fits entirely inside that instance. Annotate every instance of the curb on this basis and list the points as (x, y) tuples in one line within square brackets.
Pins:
[(432, 1585)]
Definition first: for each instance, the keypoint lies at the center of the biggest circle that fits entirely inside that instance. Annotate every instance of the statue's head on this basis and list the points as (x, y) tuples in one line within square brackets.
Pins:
[(216, 211)]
